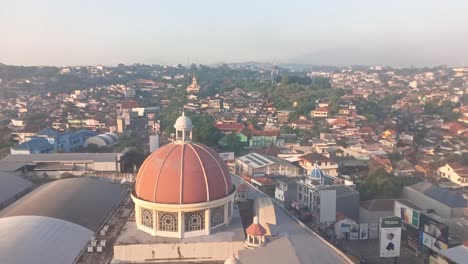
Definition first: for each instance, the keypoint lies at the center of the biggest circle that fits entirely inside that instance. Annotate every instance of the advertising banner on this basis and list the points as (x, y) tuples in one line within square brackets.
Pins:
[(345, 228), (363, 231), (434, 228), (354, 232), (407, 214), (390, 237), (373, 230), (432, 242)]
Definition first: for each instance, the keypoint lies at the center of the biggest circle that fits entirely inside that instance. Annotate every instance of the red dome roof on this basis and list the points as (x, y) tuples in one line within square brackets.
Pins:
[(183, 174), (255, 229)]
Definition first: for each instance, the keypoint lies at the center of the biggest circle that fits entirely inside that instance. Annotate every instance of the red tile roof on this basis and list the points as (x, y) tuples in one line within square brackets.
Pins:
[(314, 157), (230, 126)]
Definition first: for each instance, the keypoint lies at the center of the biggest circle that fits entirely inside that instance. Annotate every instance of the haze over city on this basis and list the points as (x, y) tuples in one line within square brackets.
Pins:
[(393, 33)]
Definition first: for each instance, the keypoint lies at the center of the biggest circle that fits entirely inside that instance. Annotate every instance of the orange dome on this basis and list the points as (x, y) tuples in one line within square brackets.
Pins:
[(183, 174)]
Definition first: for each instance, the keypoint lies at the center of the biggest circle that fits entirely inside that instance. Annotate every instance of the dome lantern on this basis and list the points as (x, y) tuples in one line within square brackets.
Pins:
[(183, 127)]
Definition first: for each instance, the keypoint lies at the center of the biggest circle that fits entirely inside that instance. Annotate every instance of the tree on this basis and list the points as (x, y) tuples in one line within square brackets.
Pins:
[(380, 184), (395, 156), (232, 143), (204, 130), (287, 130)]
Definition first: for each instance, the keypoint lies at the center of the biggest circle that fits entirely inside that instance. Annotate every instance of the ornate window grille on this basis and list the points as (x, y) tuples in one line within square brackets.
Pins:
[(194, 221), (147, 218), (217, 216), (168, 221)]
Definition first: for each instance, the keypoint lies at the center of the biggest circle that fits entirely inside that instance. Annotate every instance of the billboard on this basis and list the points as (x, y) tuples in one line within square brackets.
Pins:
[(390, 237), (363, 231), (434, 234), (227, 156), (432, 242), (407, 214)]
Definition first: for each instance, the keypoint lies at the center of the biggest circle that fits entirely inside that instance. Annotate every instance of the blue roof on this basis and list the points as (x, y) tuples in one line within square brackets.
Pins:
[(316, 173), (105, 139), (36, 143), (84, 134), (48, 132)]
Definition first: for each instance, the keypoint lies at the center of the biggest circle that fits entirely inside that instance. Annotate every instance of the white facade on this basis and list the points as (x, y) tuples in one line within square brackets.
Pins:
[(456, 173), (182, 221)]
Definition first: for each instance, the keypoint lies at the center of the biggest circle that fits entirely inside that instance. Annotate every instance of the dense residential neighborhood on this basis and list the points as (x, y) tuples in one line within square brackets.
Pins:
[(335, 147)]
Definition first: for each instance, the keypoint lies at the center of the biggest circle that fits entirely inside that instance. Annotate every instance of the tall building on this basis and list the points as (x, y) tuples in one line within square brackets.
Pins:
[(120, 125)]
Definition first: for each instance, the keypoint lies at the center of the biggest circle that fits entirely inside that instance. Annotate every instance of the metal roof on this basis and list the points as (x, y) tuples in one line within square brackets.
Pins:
[(450, 198), (48, 132), (11, 185), (256, 160), (83, 201), (35, 143), (40, 240), (58, 157)]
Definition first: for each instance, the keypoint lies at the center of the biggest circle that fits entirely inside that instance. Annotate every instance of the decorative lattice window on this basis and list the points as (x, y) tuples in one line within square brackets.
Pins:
[(194, 221), (229, 209), (168, 221), (147, 218), (217, 216)]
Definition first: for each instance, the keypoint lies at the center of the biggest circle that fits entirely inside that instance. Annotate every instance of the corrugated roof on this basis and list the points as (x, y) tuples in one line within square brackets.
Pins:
[(11, 185), (57, 157), (34, 143), (448, 197), (83, 201), (48, 132), (40, 240)]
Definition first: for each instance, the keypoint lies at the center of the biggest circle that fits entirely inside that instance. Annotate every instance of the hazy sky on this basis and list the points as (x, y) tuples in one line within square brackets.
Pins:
[(332, 32)]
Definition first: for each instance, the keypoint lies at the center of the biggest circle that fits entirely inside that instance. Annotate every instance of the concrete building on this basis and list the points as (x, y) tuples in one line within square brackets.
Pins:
[(325, 199), (153, 142), (56, 164), (255, 163), (325, 164), (319, 112), (444, 202), (286, 190), (371, 211)]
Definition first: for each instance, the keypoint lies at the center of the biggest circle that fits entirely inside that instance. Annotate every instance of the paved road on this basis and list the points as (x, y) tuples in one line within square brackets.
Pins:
[(309, 248)]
